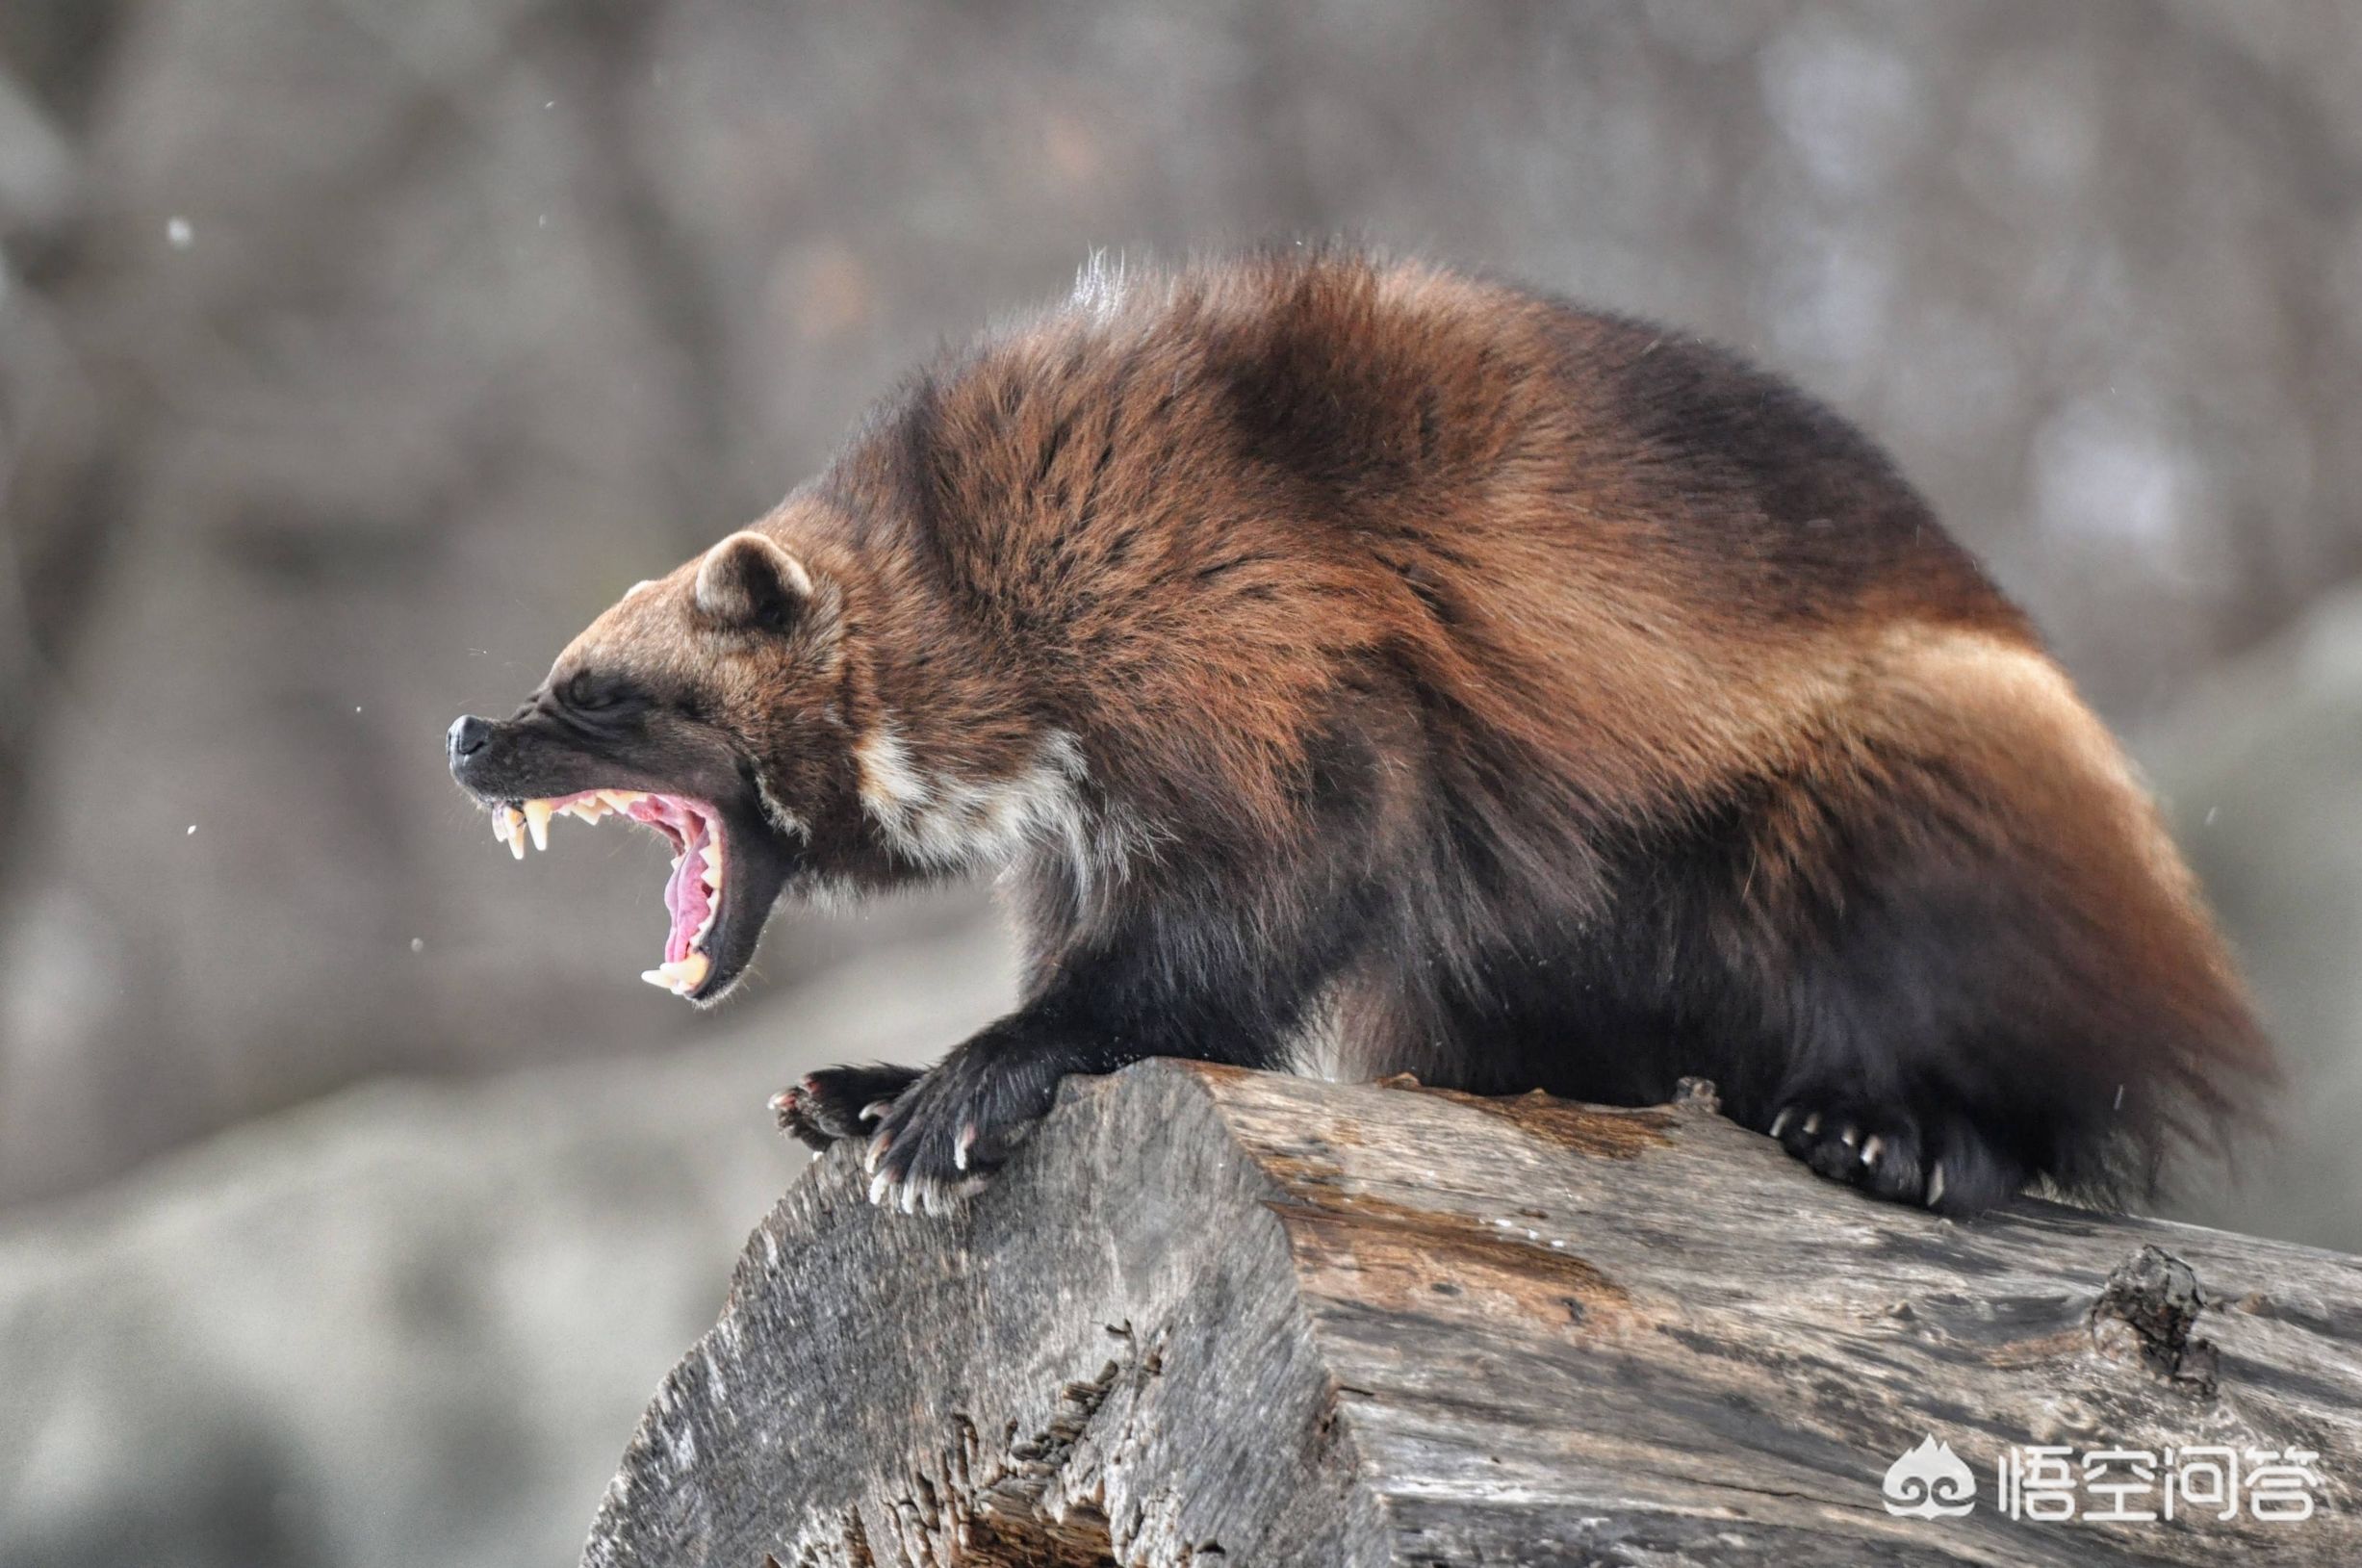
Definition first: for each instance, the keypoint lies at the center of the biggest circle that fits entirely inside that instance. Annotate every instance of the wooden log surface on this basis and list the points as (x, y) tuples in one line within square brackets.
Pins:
[(1213, 1316)]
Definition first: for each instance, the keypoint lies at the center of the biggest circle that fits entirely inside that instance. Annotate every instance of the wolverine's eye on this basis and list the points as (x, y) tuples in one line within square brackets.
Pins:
[(587, 693)]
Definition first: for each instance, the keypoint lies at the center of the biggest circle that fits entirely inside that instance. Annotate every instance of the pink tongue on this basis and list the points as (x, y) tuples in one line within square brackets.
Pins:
[(686, 897)]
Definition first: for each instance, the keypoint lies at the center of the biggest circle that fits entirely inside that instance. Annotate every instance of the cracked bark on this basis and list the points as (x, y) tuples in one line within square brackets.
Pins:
[(1217, 1317)]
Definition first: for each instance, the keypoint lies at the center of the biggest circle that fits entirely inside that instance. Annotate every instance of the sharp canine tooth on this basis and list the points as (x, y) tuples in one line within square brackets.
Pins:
[(516, 831), (537, 819), (658, 977)]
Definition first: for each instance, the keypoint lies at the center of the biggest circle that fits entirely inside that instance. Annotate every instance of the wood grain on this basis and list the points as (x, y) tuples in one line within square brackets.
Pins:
[(1219, 1317)]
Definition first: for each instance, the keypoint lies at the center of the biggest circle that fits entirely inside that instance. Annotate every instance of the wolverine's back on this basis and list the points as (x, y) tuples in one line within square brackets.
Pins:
[(1620, 547)]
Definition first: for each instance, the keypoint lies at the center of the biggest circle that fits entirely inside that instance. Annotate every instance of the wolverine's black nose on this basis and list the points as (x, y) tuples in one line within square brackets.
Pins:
[(468, 736)]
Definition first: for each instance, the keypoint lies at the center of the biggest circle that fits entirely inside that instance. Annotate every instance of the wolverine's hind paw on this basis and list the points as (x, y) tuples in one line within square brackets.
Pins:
[(1945, 1164), (1881, 1153), (837, 1103)]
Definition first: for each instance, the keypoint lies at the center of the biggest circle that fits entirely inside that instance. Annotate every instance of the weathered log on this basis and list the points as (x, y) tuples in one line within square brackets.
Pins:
[(1211, 1316)]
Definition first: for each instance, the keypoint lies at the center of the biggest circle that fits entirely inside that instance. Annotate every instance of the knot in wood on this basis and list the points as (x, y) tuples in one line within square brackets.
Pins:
[(2147, 1309), (1698, 1093)]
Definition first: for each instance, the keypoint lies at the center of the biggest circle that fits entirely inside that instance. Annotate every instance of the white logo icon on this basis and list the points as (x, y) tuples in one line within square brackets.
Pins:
[(1930, 1482)]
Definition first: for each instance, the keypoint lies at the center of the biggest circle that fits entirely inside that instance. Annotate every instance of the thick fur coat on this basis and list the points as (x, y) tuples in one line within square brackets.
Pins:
[(1367, 668)]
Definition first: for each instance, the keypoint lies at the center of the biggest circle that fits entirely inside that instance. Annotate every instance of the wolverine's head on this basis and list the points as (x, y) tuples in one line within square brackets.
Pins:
[(705, 706)]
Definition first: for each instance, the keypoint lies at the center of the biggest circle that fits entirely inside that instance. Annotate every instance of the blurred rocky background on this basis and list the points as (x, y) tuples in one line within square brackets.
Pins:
[(353, 352)]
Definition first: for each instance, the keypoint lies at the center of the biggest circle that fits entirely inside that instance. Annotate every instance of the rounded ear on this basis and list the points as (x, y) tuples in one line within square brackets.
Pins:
[(748, 580)]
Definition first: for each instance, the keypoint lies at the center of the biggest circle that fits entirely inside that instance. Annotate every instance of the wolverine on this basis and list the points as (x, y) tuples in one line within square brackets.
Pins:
[(1361, 667)]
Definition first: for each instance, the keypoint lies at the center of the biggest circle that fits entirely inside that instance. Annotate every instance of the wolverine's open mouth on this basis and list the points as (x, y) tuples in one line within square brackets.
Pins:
[(696, 896)]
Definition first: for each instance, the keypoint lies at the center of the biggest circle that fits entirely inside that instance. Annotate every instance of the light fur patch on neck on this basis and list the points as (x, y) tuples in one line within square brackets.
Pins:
[(783, 820), (945, 823)]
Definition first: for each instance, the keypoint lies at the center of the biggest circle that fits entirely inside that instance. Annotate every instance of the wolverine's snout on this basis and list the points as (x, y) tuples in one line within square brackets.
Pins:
[(464, 747), (467, 737), (480, 764)]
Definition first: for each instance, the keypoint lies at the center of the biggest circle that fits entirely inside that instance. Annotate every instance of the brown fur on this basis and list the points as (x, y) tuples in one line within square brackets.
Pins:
[(1519, 694)]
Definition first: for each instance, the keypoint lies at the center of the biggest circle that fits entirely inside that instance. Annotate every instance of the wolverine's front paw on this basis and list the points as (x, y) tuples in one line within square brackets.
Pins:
[(837, 1103), (960, 1123)]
